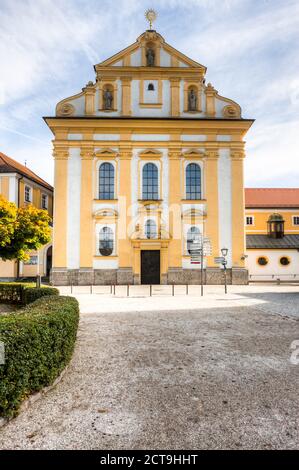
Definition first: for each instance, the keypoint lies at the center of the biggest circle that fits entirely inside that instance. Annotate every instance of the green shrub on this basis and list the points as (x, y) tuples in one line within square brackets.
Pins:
[(18, 293), (39, 342), (11, 293), (31, 294)]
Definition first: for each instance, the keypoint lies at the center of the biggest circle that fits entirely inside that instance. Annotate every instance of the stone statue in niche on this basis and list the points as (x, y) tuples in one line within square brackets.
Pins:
[(192, 100), (150, 57), (108, 99)]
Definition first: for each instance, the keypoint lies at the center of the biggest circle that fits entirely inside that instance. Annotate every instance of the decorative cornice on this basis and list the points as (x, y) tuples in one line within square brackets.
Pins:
[(126, 80), (175, 81), (174, 153), (237, 154), (60, 153), (212, 153), (87, 153), (125, 153)]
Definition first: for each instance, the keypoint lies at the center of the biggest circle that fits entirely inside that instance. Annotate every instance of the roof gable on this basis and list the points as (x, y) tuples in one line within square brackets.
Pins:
[(8, 165), (168, 57)]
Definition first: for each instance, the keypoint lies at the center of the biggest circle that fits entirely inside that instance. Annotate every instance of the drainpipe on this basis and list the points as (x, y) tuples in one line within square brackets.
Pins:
[(18, 262)]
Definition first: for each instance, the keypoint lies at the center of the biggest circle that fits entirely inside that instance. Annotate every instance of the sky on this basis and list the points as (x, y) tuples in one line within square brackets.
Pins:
[(250, 47)]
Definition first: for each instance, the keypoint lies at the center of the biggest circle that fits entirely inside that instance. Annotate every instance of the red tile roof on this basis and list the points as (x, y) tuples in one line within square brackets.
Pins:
[(8, 165), (271, 197)]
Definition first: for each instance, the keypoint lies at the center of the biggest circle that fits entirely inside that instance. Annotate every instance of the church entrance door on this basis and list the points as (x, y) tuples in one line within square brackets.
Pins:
[(150, 267)]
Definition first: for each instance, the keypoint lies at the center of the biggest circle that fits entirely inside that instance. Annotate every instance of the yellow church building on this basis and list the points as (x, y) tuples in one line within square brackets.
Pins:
[(148, 157)]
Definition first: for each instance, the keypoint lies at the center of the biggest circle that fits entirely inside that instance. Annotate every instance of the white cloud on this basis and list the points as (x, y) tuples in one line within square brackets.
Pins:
[(272, 154), (49, 47)]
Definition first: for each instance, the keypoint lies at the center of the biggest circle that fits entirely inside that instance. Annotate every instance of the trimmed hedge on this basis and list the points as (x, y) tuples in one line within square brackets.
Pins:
[(39, 342), (30, 294), (11, 293), (17, 293)]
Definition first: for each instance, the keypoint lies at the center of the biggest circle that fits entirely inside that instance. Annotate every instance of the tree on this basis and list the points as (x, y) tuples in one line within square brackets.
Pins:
[(22, 230), (8, 214)]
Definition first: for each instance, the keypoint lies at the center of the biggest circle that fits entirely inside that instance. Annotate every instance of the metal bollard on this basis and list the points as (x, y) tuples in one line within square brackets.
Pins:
[(91, 288), (128, 290), (71, 288), (113, 289), (150, 290), (172, 290), (187, 289)]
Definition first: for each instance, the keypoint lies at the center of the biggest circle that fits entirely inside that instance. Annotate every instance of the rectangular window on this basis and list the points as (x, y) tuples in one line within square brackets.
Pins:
[(28, 194), (249, 220), (44, 201), (32, 261), (295, 219), (106, 181)]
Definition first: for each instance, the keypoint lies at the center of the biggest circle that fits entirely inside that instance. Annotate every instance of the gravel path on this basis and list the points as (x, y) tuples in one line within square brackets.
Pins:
[(200, 378)]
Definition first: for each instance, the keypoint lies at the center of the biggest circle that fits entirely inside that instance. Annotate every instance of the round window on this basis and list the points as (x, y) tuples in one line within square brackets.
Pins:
[(284, 261), (262, 261)]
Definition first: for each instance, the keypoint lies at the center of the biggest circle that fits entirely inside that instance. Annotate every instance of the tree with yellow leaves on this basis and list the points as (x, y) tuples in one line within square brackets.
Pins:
[(22, 230)]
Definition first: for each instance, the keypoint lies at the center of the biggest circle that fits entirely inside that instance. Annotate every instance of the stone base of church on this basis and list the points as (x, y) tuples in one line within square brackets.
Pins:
[(83, 277), (211, 276), (123, 276)]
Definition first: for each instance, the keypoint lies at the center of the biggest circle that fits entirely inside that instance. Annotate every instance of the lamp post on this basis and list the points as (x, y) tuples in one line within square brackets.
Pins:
[(224, 252), (38, 277)]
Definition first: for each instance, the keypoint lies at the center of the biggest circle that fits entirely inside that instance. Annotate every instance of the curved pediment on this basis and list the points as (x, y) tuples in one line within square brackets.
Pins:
[(150, 153), (106, 153), (106, 212), (194, 153), (191, 213)]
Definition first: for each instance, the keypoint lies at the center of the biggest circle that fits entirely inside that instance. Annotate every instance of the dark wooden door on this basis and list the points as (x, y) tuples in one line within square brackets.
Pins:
[(150, 267)]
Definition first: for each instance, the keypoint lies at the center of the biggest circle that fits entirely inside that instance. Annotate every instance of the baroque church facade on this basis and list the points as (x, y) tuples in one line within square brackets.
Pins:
[(148, 158)]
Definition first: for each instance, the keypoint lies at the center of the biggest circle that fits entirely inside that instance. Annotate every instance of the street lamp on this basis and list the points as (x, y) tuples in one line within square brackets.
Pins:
[(224, 252)]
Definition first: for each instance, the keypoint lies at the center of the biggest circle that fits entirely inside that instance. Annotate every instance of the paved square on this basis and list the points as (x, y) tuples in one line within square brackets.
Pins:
[(174, 372)]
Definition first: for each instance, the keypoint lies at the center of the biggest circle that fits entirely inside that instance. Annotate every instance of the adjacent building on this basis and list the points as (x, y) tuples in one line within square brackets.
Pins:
[(272, 233), (22, 186), (148, 157)]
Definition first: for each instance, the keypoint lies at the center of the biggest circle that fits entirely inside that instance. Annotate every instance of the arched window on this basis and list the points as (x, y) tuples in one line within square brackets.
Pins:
[(106, 241), (151, 87), (150, 182), (193, 181), (193, 234), (106, 183), (150, 229)]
